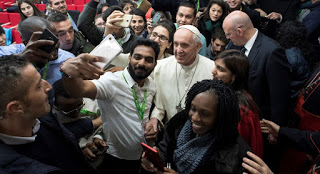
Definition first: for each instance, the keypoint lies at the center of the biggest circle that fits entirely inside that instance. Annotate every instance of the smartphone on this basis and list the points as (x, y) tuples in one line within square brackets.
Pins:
[(106, 51), (100, 151), (156, 17), (48, 35), (153, 156), (125, 23)]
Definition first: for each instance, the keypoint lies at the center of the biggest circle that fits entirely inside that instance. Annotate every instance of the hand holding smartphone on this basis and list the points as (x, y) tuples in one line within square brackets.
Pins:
[(106, 52), (156, 17), (153, 156), (48, 35), (100, 151), (125, 23)]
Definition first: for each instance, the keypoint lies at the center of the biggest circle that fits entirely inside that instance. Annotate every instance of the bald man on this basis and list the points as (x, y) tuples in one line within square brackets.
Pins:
[(269, 69), (48, 64)]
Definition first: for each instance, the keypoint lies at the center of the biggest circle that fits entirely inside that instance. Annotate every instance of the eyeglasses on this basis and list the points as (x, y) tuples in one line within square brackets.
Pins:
[(77, 109), (161, 37)]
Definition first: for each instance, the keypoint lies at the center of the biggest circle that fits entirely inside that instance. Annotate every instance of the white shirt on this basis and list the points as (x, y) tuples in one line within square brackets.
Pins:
[(122, 127), (250, 43), (15, 140), (169, 76)]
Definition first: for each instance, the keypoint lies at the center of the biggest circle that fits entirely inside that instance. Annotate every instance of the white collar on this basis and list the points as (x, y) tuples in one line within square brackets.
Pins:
[(250, 43), (16, 140), (131, 81), (194, 63)]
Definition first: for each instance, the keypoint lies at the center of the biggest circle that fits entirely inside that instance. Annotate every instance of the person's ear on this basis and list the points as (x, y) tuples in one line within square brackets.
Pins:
[(14, 107), (199, 45), (240, 31), (170, 43), (233, 78)]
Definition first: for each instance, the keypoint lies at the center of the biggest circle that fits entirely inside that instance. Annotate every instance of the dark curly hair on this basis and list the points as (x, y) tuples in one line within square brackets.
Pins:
[(293, 34), (228, 116)]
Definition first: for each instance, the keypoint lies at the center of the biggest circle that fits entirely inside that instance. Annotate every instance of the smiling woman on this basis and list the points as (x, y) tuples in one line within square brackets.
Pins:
[(232, 67), (212, 18), (203, 138), (138, 22)]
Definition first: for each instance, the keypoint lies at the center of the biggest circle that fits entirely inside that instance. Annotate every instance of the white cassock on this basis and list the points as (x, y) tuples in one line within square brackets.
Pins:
[(173, 81)]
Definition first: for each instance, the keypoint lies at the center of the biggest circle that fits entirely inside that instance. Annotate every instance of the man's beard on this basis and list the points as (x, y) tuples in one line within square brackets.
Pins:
[(138, 76)]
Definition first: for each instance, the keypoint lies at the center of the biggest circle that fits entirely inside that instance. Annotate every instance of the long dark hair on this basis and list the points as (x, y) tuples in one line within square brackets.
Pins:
[(36, 11), (206, 15), (228, 115), (238, 64)]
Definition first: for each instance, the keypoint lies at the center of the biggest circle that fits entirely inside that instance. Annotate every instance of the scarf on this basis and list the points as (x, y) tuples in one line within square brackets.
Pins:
[(192, 152), (210, 26)]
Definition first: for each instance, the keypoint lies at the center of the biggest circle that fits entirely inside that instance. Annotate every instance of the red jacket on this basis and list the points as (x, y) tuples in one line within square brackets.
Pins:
[(250, 130)]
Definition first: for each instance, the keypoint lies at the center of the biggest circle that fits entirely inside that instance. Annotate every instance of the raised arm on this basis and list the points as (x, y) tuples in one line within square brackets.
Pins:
[(86, 23), (77, 69)]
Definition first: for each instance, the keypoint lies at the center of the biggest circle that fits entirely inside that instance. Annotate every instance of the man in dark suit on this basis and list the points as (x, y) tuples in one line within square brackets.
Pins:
[(269, 68), (60, 6)]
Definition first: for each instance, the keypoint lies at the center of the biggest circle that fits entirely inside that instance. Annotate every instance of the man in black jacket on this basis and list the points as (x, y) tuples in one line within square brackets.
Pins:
[(31, 140), (60, 6), (70, 39), (268, 79)]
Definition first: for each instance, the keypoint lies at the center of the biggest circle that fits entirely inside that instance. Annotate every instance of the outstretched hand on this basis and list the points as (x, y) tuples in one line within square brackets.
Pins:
[(110, 26), (151, 129), (32, 51), (255, 165), (82, 67), (270, 128), (274, 16), (97, 144)]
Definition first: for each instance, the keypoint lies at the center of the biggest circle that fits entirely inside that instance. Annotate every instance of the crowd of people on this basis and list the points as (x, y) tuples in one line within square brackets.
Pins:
[(212, 86)]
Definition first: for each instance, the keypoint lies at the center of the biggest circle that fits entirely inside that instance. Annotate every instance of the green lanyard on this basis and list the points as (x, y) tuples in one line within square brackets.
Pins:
[(136, 101), (139, 4), (120, 41), (89, 113), (69, 17), (198, 5), (44, 74)]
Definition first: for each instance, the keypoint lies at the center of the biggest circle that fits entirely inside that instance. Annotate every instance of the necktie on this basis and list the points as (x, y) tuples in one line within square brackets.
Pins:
[(243, 50)]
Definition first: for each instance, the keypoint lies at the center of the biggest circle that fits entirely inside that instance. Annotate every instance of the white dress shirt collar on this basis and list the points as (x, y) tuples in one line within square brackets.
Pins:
[(15, 140), (250, 43), (131, 81)]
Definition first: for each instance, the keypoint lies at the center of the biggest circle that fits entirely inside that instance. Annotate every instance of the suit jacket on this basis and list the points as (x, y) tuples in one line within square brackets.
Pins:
[(268, 78), (74, 15), (287, 8), (24, 159)]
